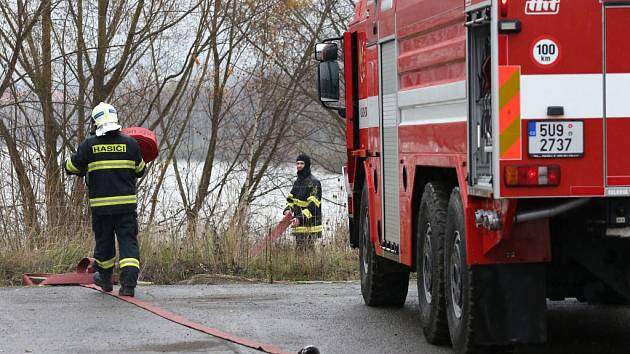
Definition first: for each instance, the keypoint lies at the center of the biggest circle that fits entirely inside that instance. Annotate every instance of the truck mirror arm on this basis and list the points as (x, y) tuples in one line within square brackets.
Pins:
[(340, 110)]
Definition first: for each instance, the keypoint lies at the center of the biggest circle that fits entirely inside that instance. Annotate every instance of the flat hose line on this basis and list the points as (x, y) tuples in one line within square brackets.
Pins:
[(267, 348)]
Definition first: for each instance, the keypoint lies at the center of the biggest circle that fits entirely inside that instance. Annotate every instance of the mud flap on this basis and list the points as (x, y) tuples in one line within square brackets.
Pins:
[(607, 259), (510, 304)]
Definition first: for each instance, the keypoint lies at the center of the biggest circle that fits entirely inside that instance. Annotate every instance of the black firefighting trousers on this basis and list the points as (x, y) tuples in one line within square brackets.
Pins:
[(125, 227)]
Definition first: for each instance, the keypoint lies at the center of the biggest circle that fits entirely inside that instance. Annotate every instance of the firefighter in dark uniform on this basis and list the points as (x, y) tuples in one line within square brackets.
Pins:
[(111, 162), (304, 202)]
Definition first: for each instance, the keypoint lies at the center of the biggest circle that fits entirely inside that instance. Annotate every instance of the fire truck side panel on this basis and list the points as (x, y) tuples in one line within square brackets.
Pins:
[(386, 16), (357, 149), (617, 87), (352, 115), (350, 63), (372, 172), (371, 17), (431, 99), (359, 11), (369, 132), (432, 45), (370, 82)]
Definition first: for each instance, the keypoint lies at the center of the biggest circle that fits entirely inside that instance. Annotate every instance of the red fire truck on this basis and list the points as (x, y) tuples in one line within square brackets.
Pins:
[(487, 145)]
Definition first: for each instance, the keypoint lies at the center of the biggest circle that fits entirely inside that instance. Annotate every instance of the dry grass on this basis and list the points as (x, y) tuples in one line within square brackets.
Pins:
[(172, 260), (42, 257), (168, 258)]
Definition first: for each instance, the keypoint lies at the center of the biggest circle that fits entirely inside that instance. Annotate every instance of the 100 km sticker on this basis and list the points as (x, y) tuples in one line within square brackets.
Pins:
[(546, 52)]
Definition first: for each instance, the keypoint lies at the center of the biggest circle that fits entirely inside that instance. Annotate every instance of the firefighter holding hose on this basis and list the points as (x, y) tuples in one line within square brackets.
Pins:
[(304, 203), (111, 163)]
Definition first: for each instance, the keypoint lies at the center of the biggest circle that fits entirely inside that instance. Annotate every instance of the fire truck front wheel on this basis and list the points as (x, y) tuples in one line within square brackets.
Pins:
[(430, 261), (458, 284), (383, 282)]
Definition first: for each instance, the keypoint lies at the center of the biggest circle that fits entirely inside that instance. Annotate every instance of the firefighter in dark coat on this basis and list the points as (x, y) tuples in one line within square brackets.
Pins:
[(111, 162), (304, 202)]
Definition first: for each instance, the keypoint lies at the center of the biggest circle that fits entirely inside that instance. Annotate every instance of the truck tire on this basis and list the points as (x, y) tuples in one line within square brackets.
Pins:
[(430, 261), (382, 284), (459, 283)]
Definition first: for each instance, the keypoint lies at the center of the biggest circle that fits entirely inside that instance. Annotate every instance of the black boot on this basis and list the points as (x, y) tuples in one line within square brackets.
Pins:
[(105, 282), (127, 291)]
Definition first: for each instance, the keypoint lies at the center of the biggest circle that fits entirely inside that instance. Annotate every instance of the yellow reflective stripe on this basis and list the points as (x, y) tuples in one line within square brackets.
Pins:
[(140, 166), (129, 262), (307, 213), (111, 164), (71, 167), (303, 204), (106, 264), (307, 229), (300, 203), (121, 199), (313, 199)]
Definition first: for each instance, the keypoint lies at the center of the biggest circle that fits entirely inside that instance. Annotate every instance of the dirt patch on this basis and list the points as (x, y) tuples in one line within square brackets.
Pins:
[(217, 279)]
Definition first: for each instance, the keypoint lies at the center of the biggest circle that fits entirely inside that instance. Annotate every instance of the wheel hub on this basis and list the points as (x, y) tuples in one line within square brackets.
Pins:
[(456, 270), (427, 265), (365, 238)]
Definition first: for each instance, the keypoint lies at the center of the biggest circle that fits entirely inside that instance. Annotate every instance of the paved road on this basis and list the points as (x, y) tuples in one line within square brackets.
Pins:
[(329, 315), (80, 320)]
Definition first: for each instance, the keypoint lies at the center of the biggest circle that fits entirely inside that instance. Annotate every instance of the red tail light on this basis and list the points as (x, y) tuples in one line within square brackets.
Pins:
[(521, 176), (503, 5)]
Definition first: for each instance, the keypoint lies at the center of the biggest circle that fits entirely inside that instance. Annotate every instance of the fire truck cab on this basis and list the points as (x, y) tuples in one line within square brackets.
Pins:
[(487, 150)]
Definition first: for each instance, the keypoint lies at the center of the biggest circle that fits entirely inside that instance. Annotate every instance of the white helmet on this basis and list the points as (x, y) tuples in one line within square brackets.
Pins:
[(106, 119)]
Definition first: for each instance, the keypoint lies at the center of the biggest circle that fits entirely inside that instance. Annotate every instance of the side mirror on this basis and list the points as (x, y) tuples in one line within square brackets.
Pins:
[(326, 51), (328, 87)]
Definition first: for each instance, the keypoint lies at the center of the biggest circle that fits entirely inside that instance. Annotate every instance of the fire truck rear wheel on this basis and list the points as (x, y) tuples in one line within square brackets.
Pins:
[(459, 283), (383, 283), (430, 261)]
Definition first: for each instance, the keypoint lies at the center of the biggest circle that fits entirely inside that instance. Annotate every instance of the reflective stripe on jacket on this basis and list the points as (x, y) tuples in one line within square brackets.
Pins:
[(111, 165)]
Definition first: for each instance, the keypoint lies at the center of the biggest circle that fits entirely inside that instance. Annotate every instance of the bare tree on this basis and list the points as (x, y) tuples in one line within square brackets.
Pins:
[(284, 98), (18, 19), (227, 28), (227, 85)]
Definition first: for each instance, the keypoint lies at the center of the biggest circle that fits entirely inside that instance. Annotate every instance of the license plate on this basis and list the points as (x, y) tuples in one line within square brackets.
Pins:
[(555, 139)]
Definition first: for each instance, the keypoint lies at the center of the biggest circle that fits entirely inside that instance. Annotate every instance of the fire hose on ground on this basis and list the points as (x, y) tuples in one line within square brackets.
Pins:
[(83, 277)]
